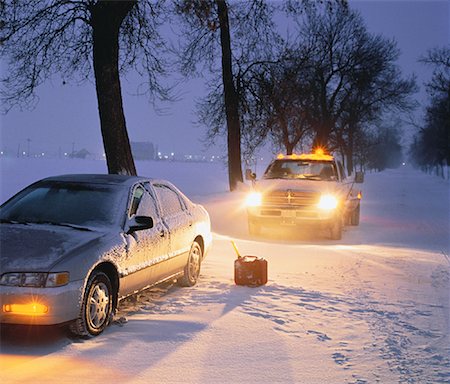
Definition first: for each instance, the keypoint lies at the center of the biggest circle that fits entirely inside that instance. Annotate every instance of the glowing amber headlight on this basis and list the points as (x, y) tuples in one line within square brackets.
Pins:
[(254, 199), (32, 309), (328, 202)]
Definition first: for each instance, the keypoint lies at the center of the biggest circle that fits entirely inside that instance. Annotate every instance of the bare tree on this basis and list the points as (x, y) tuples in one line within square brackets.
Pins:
[(276, 99), (431, 147), (439, 58), (351, 75), (77, 38), (238, 33)]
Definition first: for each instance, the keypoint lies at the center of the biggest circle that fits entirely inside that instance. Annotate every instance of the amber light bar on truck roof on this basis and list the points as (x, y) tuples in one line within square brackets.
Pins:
[(317, 155)]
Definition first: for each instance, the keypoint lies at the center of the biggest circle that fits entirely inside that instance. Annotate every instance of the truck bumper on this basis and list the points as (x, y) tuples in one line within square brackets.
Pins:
[(271, 217)]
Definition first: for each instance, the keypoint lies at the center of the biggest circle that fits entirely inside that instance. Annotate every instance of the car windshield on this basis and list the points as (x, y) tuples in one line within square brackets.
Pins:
[(301, 169), (65, 203)]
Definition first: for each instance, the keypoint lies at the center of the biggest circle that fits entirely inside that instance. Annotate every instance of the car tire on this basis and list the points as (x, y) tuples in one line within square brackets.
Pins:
[(192, 268), (254, 229), (336, 229), (97, 308), (354, 217)]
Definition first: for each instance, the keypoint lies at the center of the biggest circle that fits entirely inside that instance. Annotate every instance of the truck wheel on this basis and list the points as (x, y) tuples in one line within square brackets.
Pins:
[(336, 229), (354, 217), (253, 228)]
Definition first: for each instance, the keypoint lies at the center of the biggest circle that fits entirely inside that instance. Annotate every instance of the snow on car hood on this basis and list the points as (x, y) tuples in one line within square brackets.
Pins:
[(295, 185), (29, 248)]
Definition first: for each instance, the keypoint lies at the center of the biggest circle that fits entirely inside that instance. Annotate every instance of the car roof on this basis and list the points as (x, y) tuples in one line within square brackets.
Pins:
[(98, 179)]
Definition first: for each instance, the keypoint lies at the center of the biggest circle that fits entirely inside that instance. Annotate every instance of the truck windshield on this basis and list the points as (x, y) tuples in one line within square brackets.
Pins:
[(301, 169)]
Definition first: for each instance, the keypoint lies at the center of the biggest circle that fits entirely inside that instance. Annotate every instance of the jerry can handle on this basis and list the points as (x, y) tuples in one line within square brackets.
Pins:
[(236, 249)]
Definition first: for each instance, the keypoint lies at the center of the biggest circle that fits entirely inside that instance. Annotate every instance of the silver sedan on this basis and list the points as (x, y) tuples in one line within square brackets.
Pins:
[(72, 246)]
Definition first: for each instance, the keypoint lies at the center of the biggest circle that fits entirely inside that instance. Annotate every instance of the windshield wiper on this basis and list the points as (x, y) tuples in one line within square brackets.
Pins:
[(74, 226), (8, 221), (310, 177)]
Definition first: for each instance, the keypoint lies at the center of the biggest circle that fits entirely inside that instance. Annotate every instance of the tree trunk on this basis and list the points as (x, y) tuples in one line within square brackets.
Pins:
[(350, 150), (231, 100), (322, 136), (289, 148), (107, 17)]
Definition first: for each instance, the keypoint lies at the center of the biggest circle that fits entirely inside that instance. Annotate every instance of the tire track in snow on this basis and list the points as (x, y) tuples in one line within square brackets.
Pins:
[(394, 334)]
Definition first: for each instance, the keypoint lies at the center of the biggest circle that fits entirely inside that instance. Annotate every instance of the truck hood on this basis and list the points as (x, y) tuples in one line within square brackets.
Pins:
[(29, 248), (303, 185)]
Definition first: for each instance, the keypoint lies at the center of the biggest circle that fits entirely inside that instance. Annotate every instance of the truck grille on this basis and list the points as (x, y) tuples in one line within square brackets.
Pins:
[(291, 198)]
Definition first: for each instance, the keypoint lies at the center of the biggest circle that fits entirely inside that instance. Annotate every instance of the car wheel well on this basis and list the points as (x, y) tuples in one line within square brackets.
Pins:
[(200, 242), (111, 271)]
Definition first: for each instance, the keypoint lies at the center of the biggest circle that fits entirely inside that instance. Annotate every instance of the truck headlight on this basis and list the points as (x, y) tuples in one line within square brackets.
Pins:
[(35, 279), (254, 199), (328, 202)]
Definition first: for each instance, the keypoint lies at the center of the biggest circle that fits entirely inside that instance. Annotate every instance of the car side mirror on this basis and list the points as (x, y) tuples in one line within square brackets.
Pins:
[(249, 175), (359, 177), (139, 223)]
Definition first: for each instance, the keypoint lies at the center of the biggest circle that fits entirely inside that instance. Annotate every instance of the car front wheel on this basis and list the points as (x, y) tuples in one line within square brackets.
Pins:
[(192, 268), (97, 307)]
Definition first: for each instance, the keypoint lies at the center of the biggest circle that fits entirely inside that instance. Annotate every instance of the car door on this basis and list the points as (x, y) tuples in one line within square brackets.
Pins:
[(148, 249), (179, 222)]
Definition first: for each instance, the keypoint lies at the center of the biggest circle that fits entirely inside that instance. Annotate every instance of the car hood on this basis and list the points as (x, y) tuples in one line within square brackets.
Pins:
[(29, 248), (265, 185)]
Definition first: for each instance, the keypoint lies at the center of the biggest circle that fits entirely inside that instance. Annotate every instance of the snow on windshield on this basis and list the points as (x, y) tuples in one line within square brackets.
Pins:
[(72, 203)]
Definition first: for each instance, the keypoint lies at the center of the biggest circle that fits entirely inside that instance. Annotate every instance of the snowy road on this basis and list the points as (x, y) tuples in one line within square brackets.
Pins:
[(373, 307)]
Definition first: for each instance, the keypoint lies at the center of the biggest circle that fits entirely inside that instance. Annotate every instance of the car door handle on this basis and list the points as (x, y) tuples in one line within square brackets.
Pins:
[(162, 233)]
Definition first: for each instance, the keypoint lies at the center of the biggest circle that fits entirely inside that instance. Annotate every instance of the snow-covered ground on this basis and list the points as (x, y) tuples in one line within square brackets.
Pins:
[(373, 307)]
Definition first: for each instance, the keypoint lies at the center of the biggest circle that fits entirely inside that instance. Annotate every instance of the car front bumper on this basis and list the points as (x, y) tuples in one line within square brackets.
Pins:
[(61, 304)]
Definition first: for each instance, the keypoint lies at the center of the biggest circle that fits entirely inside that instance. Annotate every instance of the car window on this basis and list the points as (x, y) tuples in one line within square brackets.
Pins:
[(62, 202), (138, 192), (170, 201), (147, 206)]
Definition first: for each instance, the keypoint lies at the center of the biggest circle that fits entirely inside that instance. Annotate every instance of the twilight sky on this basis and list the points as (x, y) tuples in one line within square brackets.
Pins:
[(66, 116)]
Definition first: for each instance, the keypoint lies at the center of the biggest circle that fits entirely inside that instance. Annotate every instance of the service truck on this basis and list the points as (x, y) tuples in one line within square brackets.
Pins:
[(304, 190)]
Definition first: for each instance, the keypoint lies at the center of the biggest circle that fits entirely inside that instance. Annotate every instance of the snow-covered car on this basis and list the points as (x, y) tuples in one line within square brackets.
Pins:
[(304, 190), (72, 246)]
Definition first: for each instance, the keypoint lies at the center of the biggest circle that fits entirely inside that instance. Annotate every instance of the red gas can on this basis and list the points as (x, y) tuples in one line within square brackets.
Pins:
[(249, 270)]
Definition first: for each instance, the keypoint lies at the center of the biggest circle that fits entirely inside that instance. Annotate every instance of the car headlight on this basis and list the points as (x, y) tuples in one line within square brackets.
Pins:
[(34, 279), (254, 199), (328, 202)]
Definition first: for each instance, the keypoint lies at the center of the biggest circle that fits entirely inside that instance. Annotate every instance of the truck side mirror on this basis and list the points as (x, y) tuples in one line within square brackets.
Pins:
[(249, 175), (359, 177)]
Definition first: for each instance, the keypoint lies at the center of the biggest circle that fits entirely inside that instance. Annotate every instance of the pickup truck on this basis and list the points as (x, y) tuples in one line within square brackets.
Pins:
[(304, 190)]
